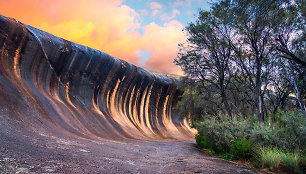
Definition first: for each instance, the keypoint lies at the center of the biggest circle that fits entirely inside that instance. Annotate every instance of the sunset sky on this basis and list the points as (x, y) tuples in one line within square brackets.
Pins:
[(145, 33)]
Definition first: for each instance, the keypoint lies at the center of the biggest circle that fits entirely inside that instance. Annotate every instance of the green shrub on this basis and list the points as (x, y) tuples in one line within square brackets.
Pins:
[(241, 149), (269, 135), (285, 130), (199, 139), (202, 142), (294, 124), (222, 132)]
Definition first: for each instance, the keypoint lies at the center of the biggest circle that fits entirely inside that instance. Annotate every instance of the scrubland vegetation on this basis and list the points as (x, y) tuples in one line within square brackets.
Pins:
[(277, 144), (245, 82)]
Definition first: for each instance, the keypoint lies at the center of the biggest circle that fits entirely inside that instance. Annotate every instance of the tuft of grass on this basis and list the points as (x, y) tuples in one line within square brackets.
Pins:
[(269, 157), (290, 161), (226, 156), (276, 159)]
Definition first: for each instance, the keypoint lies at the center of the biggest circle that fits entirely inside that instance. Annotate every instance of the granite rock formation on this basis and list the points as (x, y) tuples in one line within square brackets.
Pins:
[(49, 84)]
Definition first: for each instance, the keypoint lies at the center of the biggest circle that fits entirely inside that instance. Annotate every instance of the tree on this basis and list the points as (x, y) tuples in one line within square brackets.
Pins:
[(247, 56), (289, 32), (289, 42), (207, 56), (294, 71), (280, 87), (251, 19)]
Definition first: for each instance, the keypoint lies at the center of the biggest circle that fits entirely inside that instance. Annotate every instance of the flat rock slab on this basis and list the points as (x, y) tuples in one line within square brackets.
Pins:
[(50, 154)]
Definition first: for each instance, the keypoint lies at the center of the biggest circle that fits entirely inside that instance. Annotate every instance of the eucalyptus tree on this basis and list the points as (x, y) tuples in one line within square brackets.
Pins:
[(207, 57), (279, 88), (289, 32), (290, 42), (253, 48), (234, 51)]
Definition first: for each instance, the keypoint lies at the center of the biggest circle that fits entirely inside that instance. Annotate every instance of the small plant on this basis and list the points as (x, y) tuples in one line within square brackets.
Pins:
[(199, 138), (226, 156), (241, 149)]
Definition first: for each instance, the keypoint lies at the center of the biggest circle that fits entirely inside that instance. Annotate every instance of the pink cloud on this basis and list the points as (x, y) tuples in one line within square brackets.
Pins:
[(163, 42), (113, 30), (156, 8), (167, 17), (144, 12), (189, 12), (155, 12), (182, 3), (155, 5)]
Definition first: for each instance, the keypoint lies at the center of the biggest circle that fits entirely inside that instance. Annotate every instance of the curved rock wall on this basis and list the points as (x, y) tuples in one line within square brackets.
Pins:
[(49, 83)]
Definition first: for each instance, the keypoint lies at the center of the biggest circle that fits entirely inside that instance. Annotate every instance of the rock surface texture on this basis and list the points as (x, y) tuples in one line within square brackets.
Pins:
[(67, 108), (47, 81)]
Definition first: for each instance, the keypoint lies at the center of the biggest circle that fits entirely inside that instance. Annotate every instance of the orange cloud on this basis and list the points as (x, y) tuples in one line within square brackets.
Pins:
[(105, 25), (163, 41)]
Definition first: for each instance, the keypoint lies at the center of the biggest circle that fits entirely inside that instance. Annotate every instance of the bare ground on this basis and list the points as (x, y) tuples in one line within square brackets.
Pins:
[(25, 151)]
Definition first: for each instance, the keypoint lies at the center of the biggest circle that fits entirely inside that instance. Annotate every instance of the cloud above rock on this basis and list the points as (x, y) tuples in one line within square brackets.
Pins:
[(105, 25)]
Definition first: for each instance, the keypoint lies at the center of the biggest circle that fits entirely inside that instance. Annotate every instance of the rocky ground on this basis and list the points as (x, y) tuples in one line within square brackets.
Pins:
[(44, 153)]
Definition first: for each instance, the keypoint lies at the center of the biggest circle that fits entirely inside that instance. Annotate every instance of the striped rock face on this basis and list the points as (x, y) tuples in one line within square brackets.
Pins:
[(50, 84)]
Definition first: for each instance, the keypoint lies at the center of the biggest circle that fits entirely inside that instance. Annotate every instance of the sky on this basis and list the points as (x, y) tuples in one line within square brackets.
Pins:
[(144, 33)]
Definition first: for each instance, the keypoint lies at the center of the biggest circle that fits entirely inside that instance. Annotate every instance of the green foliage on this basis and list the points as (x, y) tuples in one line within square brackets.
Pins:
[(274, 159), (226, 156), (240, 51), (291, 161), (285, 130), (276, 144), (269, 157), (221, 132), (236, 55), (190, 104), (202, 142), (241, 149)]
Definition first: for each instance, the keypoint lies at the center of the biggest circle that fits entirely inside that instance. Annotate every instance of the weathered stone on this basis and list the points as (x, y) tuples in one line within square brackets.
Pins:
[(47, 81)]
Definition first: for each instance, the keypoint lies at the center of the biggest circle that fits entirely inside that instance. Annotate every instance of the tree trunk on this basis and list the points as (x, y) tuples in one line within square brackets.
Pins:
[(265, 110), (298, 97), (260, 114), (296, 89), (227, 107), (275, 109)]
